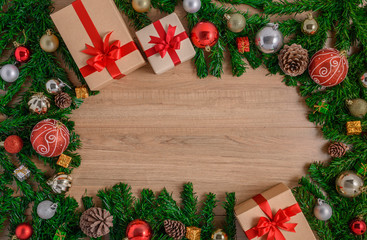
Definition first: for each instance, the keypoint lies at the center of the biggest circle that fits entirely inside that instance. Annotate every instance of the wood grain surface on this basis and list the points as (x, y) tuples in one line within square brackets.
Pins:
[(241, 134)]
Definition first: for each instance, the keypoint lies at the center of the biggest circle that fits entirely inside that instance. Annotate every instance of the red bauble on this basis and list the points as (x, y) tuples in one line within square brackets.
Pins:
[(139, 230), (204, 34), (50, 138), (358, 226), (328, 67), (24, 231), (22, 54), (13, 144)]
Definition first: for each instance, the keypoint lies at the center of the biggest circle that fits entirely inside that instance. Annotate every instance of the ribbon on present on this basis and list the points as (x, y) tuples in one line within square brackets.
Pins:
[(166, 42), (104, 54), (21, 169), (272, 224), (321, 107), (59, 235)]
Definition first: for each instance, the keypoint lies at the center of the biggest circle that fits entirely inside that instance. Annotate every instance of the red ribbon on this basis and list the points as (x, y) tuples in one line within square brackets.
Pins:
[(272, 225), (104, 54), (166, 42)]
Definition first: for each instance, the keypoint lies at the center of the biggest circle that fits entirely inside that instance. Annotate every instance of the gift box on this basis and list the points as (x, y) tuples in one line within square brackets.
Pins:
[(274, 213), (98, 40), (166, 43), (22, 173), (354, 127), (64, 161)]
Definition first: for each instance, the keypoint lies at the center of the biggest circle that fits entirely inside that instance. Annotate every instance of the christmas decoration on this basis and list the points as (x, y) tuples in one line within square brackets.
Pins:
[(192, 6), (139, 230), (269, 39), (321, 107), (293, 60), (328, 67), (193, 233), (235, 22), (24, 231), (349, 184), (22, 54), (204, 35), (49, 42), (309, 25), (322, 210), (96, 222), (219, 235), (63, 100), (39, 103), (46, 209), (50, 138), (362, 169), (22, 173), (59, 235), (358, 226), (141, 6), (357, 107), (364, 80), (354, 128), (64, 161), (243, 44), (9, 73), (55, 86), (13, 144), (175, 229), (81, 92), (60, 183), (337, 149)]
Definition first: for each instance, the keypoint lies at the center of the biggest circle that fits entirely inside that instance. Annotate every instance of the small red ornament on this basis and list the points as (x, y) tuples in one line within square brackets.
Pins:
[(328, 67), (22, 54), (358, 226), (139, 230), (13, 144), (243, 44), (50, 138), (24, 231), (204, 35)]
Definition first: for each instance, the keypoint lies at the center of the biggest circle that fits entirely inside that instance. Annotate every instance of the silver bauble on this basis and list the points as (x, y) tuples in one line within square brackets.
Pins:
[(39, 103), (269, 39), (54, 86), (9, 73), (349, 184), (322, 210), (235, 22), (192, 6), (60, 183), (46, 209)]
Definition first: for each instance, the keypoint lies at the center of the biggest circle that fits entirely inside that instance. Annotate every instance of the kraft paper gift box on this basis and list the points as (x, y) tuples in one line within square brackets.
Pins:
[(166, 43), (279, 203), (111, 51)]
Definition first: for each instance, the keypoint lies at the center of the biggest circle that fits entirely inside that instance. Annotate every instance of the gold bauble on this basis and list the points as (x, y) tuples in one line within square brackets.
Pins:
[(310, 25), (49, 42), (235, 22), (141, 6), (357, 107), (219, 234)]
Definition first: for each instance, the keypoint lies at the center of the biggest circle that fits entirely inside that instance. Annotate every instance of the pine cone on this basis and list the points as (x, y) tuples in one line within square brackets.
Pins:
[(337, 150), (293, 60), (175, 229), (96, 222), (63, 100)]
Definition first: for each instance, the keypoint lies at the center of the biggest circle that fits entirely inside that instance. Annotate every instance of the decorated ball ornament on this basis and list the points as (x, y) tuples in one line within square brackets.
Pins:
[(204, 35), (22, 54), (24, 231), (141, 6), (309, 26), (328, 67), (139, 230), (46, 209), (269, 39), (9, 73), (235, 22), (322, 210), (219, 235), (357, 107), (39, 103), (50, 138), (192, 6), (13, 144), (60, 183), (49, 42), (358, 226), (349, 184)]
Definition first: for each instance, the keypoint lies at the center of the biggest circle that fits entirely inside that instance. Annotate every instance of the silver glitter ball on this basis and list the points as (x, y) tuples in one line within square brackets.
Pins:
[(46, 209), (322, 210), (349, 184), (9, 73), (54, 86), (192, 6), (269, 39)]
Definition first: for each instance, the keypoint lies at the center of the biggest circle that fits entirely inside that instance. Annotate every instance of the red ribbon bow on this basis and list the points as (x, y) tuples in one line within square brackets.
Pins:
[(272, 225)]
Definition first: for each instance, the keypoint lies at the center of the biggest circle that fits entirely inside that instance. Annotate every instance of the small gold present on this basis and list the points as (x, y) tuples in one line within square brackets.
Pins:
[(81, 92), (354, 128), (193, 233), (64, 161)]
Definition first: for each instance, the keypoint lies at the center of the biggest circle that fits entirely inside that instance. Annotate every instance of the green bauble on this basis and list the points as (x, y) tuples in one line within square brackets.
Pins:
[(357, 107)]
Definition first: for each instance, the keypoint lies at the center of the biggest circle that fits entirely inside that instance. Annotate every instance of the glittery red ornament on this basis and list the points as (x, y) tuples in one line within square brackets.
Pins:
[(358, 226), (328, 67), (22, 54), (50, 138), (13, 144), (204, 35), (139, 230), (24, 231)]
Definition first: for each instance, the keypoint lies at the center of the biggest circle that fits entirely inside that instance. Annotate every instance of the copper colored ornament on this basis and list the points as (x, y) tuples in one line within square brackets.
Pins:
[(204, 35), (219, 235), (22, 54), (13, 144), (139, 230), (328, 67), (24, 231), (49, 42), (358, 226), (50, 138)]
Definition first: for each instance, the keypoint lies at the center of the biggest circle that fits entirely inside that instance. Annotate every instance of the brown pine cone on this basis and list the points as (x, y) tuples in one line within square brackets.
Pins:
[(293, 60), (175, 229), (63, 100), (337, 150), (96, 222)]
